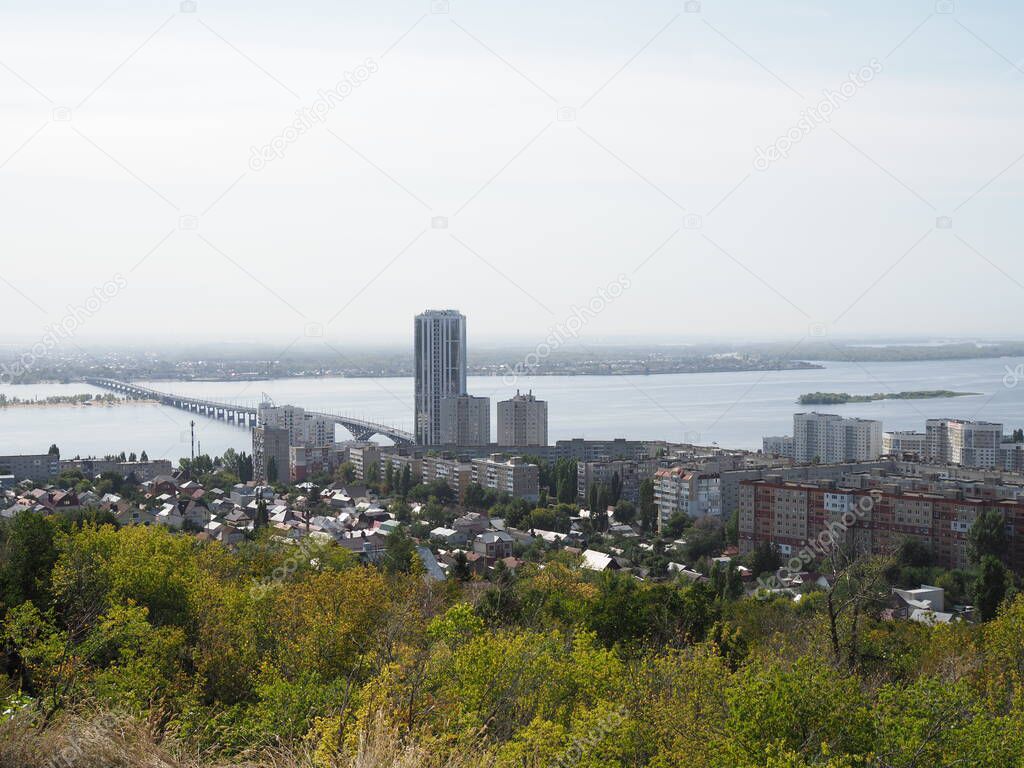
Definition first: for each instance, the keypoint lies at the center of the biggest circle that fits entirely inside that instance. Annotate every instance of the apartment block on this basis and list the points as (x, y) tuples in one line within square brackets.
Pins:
[(513, 476), (465, 420), (306, 461), (38, 467), (630, 472), (828, 438), (303, 428), (522, 421), (363, 456), (781, 445), (457, 474), (270, 455), (966, 443), (678, 489), (896, 443), (871, 516), (141, 470)]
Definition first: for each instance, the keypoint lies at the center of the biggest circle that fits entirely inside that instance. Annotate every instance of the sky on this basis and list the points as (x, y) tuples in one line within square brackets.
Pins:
[(659, 170)]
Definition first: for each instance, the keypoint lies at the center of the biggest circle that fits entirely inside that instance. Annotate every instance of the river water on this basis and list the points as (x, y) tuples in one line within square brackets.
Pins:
[(731, 409)]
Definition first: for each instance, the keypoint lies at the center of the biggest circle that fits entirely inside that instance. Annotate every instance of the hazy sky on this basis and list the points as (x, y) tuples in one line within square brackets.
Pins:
[(569, 145)]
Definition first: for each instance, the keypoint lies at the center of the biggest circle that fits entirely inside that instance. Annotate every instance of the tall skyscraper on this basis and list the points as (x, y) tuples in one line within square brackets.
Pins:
[(440, 360), (522, 420)]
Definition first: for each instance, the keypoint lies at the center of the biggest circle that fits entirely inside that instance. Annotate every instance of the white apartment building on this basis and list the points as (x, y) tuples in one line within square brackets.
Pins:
[(830, 439), (465, 420), (522, 420), (440, 368), (303, 428), (780, 445), (894, 443), (966, 443), (678, 489)]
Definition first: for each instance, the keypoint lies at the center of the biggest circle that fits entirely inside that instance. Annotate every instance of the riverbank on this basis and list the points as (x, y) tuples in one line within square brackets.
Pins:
[(81, 404)]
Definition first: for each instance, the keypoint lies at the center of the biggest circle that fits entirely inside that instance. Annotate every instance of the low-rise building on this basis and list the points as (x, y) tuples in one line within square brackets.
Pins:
[(39, 468)]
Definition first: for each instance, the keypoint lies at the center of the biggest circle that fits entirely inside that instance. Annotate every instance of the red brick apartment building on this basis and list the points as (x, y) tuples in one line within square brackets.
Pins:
[(877, 517)]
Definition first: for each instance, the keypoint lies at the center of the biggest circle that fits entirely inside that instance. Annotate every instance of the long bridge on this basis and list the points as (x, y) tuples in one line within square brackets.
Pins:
[(246, 415)]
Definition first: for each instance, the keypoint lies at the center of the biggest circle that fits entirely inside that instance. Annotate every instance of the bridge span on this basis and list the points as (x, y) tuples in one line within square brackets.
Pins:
[(246, 415)]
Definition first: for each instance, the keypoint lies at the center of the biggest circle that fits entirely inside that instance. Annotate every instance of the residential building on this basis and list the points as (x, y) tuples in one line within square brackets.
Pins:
[(40, 468), (440, 368), (966, 443), (363, 456), (897, 443), (630, 473), (494, 545), (522, 421), (465, 420), (305, 461), (872, 514), (303, 428), (827, 438), (270, 456), (513, 476), (1011, 457), (457, 474), (781, 445), (399, 460), (677, 489)]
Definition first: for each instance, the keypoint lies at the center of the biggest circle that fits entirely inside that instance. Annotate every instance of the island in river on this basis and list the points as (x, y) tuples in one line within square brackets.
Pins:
[(841, 398)]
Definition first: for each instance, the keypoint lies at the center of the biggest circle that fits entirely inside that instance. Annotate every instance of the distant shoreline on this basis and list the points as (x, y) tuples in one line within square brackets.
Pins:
[(90, 404)]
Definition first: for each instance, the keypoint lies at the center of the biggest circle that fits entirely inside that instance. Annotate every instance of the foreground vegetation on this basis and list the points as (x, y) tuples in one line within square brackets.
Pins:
[(141, 647)]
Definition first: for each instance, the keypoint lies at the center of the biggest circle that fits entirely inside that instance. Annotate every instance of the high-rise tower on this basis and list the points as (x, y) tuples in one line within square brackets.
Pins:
[(440, 360)]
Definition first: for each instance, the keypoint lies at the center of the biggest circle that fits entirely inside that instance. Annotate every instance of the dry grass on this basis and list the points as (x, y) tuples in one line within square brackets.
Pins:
[(107, 741)]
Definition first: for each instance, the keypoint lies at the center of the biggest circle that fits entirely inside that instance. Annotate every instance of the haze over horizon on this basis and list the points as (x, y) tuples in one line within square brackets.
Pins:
[(567, 150)]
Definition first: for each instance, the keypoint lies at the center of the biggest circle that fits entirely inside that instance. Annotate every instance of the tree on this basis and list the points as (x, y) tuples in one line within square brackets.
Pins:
[(406, 483), (389, 477), (648, 509), (132, 458), (272, 469), (261, 520), (987, 536), (616, 489), (398, 552), (989, 587), (54, 450), (460, 569), (371, 474), (764, 559), (346, 472), (143, 456), (625, 512)]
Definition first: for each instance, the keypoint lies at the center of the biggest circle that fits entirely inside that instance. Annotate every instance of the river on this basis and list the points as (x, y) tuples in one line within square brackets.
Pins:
[(730, 409)]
